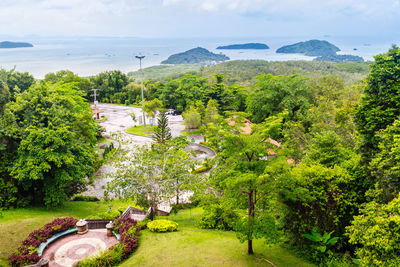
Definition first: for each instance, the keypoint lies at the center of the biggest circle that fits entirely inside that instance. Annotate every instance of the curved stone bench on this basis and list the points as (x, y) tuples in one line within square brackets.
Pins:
[(50, 240)]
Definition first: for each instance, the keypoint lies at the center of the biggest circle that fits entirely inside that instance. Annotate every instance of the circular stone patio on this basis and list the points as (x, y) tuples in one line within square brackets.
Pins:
[(68, 250)]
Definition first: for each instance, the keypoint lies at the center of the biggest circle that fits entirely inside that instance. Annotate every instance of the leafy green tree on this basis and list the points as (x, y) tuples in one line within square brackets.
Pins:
[(380, 105), (239, 95), (17, 82), (219, 92), (201, 110), (240, 177), (182, 92), (111, 85), (67, 76), (151, 107), (273, 94), (151, 175), (162, 132), (211, 112), (55, 135), (385, 165), (192, 118), (4, 95), (318, 198), (375, 234)]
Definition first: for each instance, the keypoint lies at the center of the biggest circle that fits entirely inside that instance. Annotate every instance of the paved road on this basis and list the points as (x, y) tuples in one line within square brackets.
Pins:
[(118, 120)]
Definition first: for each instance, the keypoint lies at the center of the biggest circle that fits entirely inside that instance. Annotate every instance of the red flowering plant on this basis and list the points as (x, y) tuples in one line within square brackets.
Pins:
[(129, 232), (27, 253)]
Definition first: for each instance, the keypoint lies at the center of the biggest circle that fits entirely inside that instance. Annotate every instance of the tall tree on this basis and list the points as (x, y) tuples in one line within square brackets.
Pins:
[(240, 177), (162, 132), (272, 94), (380, 106), (55, 135), (151, 175)]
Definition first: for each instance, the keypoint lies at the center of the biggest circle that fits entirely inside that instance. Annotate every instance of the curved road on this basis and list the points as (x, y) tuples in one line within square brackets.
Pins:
[(118, 120)]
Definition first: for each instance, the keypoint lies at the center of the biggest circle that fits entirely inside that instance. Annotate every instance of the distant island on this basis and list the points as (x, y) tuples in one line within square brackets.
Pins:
[(313, 48), (322, 50), (195, 55), (245, 46), (340, 58), (7, 44)]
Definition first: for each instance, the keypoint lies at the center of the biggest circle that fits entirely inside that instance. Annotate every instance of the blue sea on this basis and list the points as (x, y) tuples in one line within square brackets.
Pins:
[(91, 55)]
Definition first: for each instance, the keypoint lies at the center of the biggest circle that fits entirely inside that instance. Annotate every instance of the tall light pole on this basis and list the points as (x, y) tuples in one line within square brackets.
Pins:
[(141, 81)]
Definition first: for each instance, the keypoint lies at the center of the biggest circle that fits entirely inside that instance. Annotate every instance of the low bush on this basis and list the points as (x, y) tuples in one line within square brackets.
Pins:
[(143, 224), (85, 198), (27, 253), (218, 216), (202, 169), (160, 226), (109, 257), (182, 206), (113, 214)]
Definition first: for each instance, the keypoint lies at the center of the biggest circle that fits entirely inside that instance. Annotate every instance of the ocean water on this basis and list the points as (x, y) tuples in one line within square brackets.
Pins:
[(91, 55)]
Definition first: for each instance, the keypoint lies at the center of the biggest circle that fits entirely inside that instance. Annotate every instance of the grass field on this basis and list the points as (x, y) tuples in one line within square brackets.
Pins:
[(191, 246), (139, 130)]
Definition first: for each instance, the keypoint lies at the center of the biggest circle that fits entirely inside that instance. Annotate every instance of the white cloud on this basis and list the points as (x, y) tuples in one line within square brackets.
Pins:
[(183, 17), (365, 7)]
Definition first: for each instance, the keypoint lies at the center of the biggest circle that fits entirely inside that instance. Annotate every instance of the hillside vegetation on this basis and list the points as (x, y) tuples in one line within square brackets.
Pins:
[(244, 71)]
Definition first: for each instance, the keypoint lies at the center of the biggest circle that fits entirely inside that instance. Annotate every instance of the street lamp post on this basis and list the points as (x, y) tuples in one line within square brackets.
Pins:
[(141, 81)]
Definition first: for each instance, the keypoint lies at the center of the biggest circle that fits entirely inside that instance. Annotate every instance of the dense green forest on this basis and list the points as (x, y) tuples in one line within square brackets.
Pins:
[(306, 152), (245, 71)]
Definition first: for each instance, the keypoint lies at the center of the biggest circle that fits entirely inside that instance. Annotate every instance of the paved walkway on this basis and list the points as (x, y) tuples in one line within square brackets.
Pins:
[(66, 251)]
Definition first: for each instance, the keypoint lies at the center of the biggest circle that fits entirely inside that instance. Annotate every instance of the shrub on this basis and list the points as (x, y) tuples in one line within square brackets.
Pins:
[(143, 224), (113, 214), (129, 232), (218, 216), (318, 199), (109, 257), (27, 253), (202, 169), (85, 198), (162, 226), (376, 232)]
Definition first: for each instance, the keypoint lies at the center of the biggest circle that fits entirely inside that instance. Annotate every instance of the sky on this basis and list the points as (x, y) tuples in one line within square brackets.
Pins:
[(199, 18)]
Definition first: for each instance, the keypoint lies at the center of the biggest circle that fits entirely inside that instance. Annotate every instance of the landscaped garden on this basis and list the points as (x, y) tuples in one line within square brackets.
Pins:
[(183, 247)]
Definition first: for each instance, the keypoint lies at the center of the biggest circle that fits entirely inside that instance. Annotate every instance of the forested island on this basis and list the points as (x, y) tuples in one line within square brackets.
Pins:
[(323, 50), (195, 55), (245, 46), (313, 48), (7, 44)]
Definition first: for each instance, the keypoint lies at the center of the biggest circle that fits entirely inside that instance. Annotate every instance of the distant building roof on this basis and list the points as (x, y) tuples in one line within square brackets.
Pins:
[(246, 129)]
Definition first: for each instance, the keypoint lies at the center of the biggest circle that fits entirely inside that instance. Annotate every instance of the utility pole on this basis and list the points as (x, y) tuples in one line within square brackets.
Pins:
[(95, 101), (95, 96), (141, 81)]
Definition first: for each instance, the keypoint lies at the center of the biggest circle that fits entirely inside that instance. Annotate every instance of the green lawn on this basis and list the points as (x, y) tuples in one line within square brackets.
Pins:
[(139, 130), (191, 246), (15, 225)]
